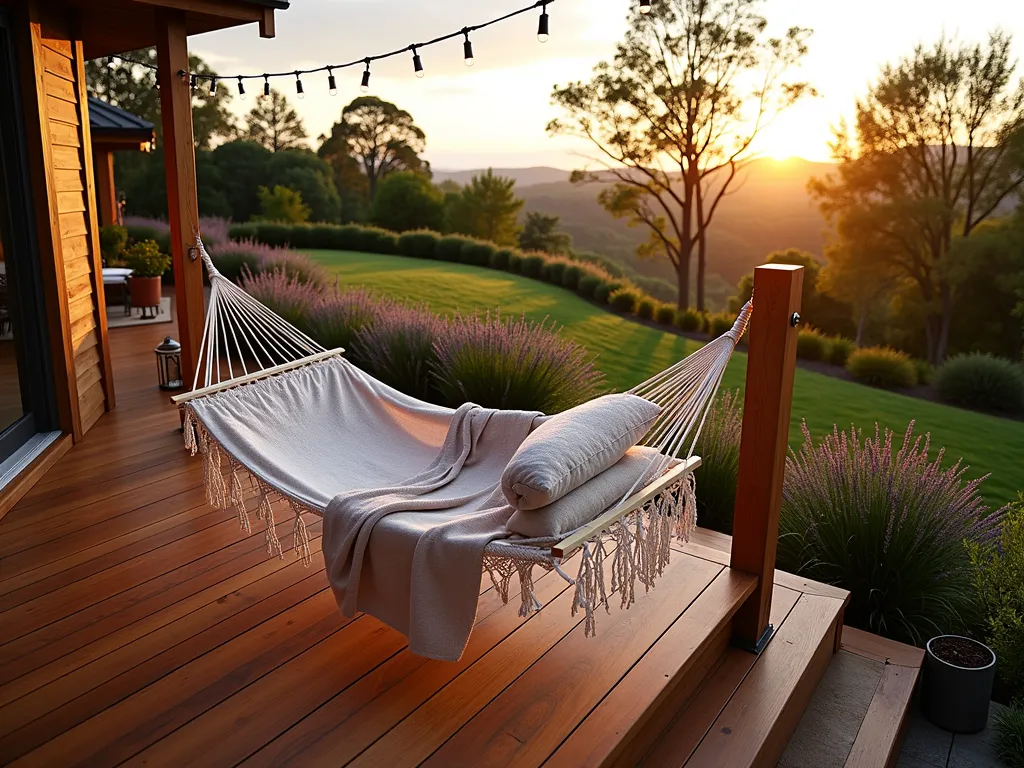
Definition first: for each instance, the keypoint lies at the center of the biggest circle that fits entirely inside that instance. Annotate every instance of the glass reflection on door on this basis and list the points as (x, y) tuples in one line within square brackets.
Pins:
[(11, 404)]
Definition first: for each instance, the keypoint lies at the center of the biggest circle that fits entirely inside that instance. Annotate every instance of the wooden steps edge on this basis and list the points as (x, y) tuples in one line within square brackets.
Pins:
[(629, 718), (781, 683), (880, 737)]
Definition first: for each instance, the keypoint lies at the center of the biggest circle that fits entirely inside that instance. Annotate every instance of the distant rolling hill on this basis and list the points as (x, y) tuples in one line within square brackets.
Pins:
[(768, 209)]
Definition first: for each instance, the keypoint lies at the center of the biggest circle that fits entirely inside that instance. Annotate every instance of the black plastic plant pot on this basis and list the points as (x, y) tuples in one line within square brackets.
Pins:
[(957, 685)]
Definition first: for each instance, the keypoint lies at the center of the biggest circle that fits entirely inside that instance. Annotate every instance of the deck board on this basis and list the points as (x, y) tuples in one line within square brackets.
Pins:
[(137, 625)]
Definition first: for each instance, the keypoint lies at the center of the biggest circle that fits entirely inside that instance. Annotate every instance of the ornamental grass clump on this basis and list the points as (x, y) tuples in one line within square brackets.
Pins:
[(624, 300), (398, 349), (519, 364), (719, 449), (335, 316), (882, 367), (665, 314), (889, 526), (983, 382), (839, 350), (811, 345), (287, 295)]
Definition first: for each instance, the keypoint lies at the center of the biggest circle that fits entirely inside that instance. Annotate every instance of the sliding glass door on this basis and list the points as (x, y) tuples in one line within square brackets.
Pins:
[(26, 379)]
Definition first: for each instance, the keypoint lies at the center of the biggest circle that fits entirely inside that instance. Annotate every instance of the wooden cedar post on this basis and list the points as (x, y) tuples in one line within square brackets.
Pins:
[(180, 165), (767, 402), (105, 186)]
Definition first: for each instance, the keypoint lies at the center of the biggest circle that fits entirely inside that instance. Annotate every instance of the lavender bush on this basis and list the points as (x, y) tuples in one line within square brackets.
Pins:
[(285, 294), (335, 317), (517, 364), (719, 449), (398, 348), (889, 526)]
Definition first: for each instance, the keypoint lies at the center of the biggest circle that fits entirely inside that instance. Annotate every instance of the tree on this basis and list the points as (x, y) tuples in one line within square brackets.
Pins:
[(939, 146), (133, 89), (541, 233), (303, 171), (406, 200), (243, 168), (857, 277), (487, 208), (282, 204), (674, 116), (274, 124), (817, 310), (380, 136)]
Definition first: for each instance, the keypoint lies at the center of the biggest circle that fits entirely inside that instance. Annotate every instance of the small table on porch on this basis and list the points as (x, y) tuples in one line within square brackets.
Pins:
[(119, 276)]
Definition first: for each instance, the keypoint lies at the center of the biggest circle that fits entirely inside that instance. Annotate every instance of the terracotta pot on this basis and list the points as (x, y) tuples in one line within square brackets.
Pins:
[(145, 291)]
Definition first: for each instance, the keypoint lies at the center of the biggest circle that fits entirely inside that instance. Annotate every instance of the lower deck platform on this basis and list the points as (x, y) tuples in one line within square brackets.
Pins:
[(139, 626)]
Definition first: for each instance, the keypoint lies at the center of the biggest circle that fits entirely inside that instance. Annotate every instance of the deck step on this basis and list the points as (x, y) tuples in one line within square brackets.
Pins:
[(622, 726), (858, 715), (746, 707)]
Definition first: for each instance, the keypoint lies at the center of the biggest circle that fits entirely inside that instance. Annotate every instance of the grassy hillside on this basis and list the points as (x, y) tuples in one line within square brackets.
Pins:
[(628, 353), (769, 209)]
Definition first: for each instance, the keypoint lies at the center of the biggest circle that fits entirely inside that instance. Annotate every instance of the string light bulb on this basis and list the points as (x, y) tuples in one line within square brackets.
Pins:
[(241, 89), (192, 83), (332, 84), (645, 6), (417, 62), (467, 48), (266, 87), (298, 87), (213, 86), (542, 26), (365, 85)]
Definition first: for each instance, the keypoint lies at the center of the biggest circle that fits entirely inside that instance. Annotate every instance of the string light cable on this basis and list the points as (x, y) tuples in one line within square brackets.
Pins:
[(365, 61)]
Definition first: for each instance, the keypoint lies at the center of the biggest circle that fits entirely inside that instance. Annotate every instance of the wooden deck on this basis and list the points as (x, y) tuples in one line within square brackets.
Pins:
[(139, 626)]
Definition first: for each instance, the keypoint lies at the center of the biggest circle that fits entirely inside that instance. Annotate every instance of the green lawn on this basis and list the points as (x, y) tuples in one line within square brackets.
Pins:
[(628, 352)]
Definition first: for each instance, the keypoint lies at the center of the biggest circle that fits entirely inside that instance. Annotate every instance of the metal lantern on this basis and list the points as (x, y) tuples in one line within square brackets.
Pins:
[(168, 364)]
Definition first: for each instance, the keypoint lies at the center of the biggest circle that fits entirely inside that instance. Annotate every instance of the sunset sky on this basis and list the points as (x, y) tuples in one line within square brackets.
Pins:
[(495, 112)]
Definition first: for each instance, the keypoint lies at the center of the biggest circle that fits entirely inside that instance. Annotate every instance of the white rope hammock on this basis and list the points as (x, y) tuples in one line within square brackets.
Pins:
[(244, 342)]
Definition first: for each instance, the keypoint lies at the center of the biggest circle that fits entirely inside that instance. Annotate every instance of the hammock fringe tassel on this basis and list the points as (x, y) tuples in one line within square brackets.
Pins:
[(634, 549)]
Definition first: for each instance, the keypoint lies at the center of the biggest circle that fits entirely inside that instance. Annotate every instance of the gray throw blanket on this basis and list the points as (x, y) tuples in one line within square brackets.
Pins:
[(409, 491), (411, 554)]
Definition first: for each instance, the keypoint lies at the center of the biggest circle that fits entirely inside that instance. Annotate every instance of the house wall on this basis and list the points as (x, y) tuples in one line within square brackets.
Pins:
[(53, 79)]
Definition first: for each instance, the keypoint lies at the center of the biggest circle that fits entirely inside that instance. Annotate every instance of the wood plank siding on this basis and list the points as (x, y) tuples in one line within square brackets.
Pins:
[(63, 187)]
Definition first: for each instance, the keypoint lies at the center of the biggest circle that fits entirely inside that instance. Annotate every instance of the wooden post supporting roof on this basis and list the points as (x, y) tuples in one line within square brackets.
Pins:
[(767, 402), (105, 189), (182, 196)]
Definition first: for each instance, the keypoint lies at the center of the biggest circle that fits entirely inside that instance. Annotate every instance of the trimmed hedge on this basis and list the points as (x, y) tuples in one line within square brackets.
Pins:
[(882, 367), (982, 382), (421, 244), (665, 314), (477, 253), (623, 300), (532, 265), (449, 248), (645, 308), (689, 320)]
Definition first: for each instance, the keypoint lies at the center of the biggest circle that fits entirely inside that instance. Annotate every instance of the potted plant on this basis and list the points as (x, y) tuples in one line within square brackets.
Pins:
[(957, 685), (147, 265)]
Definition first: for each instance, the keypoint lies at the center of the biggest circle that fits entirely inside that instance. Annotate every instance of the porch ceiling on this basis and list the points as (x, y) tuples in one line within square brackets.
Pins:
[(114, 26)]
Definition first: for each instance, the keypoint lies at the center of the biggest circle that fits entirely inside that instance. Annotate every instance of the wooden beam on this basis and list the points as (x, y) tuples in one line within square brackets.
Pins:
[(225, 9), (105, 185), (182, 194), (767, 402), (267, 28)]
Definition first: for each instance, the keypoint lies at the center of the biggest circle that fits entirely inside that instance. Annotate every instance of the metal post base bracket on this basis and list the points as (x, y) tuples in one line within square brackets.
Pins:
[(759, 646)]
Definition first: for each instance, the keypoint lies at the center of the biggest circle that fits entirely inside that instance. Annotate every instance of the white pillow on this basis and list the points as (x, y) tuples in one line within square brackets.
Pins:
[(595, 496), (573, 446)]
